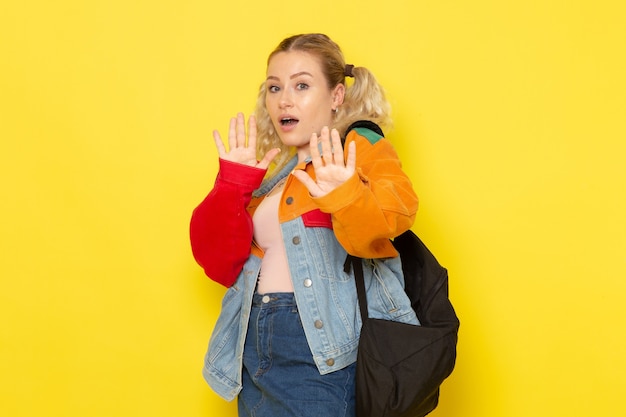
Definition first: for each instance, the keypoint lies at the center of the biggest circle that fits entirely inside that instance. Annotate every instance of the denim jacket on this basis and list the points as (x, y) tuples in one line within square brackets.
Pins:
[(326, 299), (324, 292)]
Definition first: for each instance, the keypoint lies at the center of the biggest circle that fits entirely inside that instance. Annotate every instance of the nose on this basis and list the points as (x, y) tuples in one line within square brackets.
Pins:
[(285, 99)]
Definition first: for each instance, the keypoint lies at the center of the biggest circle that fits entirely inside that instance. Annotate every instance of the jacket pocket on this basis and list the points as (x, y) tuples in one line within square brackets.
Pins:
[(388, 299)]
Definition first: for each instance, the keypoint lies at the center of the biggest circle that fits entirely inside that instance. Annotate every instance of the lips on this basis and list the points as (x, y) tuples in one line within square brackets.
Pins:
[(287, 122)]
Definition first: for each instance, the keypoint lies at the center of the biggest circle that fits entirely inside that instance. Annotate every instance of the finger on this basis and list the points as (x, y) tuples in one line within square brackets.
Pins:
[(268, 158), (221, 150), (232, 138), (241, 130), (308, 182), (316, 160), (337, 149), (351, 161), (327, 152), (252, 132)]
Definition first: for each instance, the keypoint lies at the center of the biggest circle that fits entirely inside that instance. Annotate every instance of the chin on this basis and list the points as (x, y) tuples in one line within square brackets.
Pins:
[(293, 139)]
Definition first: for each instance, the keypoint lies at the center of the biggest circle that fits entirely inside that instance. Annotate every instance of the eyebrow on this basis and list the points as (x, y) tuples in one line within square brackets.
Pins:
[(271, 77)]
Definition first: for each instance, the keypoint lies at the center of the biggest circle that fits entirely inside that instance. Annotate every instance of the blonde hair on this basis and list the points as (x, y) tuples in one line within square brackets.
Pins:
[(364, 98)]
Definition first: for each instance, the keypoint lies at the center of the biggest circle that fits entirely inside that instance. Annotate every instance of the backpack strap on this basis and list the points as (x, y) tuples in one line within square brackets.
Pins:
[(366, 128), (357, 264), (352, 261), (367, 124)]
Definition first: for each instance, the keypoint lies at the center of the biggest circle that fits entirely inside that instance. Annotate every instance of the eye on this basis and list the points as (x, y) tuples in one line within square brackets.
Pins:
[(273, 89), (302, 86)]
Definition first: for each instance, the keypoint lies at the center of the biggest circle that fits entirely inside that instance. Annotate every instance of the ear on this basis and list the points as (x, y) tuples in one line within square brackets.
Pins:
[(338, 94)]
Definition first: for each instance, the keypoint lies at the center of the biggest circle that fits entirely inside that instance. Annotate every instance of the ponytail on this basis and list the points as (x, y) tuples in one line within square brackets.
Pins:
[(364, 100)]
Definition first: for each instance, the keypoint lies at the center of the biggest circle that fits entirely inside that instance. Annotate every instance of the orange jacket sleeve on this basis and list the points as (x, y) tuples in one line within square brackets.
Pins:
[(377, 204)]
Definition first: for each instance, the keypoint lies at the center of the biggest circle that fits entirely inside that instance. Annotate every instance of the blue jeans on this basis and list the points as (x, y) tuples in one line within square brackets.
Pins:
[(280, 378)]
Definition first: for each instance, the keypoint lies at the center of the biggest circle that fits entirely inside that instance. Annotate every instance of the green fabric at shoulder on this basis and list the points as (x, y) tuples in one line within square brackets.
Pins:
[(370, 135)]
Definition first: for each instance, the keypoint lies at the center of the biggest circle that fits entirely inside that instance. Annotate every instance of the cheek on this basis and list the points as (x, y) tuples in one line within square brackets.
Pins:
[(324, 115), (319, 109), (271, 109)]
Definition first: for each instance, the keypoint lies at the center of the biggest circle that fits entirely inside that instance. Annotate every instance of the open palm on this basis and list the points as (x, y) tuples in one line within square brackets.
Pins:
[(330, 169), (242, 147)]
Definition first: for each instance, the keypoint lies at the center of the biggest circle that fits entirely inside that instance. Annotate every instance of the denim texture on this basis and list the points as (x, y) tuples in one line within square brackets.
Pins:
[(280, 378), (326, 299)]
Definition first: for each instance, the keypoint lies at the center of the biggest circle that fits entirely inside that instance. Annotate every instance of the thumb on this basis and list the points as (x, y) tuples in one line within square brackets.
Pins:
[(268, 158), (308, 182)]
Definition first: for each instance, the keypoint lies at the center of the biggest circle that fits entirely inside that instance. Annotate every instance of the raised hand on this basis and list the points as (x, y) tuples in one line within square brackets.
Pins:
[(330, 169), (242, 149)]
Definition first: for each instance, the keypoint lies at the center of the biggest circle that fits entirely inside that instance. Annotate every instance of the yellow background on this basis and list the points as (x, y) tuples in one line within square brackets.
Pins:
[(510, 121)]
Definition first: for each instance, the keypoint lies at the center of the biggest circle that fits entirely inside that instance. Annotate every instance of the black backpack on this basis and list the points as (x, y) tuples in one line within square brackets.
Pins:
[(401, 366)]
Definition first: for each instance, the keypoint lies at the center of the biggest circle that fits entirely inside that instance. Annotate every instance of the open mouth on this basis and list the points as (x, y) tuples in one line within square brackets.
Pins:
[(287, 121)]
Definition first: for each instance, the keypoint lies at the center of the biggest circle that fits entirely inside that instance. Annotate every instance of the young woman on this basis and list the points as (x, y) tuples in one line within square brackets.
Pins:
[(286, 340)]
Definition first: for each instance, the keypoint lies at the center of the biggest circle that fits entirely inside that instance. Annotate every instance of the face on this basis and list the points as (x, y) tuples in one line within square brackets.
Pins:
[(298, 98)]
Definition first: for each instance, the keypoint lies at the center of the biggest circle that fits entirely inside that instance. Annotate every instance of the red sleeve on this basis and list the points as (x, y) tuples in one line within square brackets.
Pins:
[(221, 229)]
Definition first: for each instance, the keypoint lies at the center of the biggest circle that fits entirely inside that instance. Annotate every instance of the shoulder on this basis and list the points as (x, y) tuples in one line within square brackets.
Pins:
[(365, 129)]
